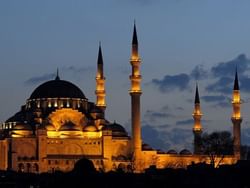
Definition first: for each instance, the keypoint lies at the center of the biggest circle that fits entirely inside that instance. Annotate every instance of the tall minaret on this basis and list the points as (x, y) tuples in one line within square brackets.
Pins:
[(197, 129), (236, 116), (100, 82), (135, 93)]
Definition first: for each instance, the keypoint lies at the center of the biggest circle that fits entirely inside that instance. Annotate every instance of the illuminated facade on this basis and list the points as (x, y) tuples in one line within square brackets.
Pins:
[(58, 126)]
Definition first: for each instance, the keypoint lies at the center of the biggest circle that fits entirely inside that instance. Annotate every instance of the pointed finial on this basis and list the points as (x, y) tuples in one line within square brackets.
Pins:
[(135, 41), (236, 82), (57, 75), (100, 60), (197, 98)]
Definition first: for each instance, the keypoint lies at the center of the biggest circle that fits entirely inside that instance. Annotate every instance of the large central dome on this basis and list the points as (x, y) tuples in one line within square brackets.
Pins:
[(57, 89)]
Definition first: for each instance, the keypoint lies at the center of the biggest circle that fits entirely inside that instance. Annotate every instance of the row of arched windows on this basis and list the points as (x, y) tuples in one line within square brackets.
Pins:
[(28, 167)]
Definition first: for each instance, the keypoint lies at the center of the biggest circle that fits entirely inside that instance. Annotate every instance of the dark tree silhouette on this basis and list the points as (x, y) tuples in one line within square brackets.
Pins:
[(84, 167), (216, 145)]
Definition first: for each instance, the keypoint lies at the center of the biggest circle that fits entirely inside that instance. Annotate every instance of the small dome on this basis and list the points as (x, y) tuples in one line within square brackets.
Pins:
[(57, 89), (96, 110), (117, 130), (172, 151), (185, 152), (90, 128), (69, 126), (21, 130), (146, 147), (22, 126)]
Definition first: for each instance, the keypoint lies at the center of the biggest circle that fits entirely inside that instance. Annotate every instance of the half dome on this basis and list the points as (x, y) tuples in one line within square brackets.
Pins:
[(90, 128), (117, 130), (69, 126), (57, 89), (185, 152)]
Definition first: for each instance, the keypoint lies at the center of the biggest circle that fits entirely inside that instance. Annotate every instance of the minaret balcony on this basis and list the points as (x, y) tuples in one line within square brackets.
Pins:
[(135, 77)]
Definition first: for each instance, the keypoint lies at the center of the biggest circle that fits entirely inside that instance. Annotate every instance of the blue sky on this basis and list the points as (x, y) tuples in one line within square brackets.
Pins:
[(181, 42)]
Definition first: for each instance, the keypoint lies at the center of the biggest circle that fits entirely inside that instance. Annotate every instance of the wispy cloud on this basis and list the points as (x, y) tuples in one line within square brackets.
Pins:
[(223, 85), (185, 122), (224, 74), (39, 79), (172, 82), (219, 78), (199, 73), (152, 136), (214, 98), (77, 70), (154, 116), (179, 138), (228, 68)]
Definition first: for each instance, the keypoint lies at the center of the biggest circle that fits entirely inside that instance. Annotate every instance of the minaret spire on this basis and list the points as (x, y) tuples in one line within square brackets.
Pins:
[(197, 98), (100, 82), (236, 117), (236, 82), (134, 40), (197, 128), (135, 93), (57, 75)]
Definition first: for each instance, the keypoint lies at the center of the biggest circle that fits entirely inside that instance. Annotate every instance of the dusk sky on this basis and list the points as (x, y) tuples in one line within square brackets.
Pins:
[(181, 42)]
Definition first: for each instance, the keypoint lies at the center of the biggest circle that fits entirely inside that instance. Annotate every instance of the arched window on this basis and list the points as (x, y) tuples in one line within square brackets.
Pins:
[(35, 168), (20, 167), (28, 167)]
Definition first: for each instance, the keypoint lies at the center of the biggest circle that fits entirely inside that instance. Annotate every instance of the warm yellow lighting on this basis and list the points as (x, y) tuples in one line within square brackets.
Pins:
[(61, 116), (197, 128), (49, 104), (53, 134), (97, 134)]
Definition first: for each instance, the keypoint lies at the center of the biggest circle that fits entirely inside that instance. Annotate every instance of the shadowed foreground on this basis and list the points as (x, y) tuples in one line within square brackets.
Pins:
[(201, 175)]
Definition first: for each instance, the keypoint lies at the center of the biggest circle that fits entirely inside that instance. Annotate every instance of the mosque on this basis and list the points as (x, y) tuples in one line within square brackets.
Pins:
[(57, 126)]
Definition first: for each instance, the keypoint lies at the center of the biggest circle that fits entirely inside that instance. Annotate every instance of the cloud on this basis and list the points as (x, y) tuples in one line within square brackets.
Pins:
[(179, 108), (244, 83), (223, 104), (224, 74), (185, 122), (228, 68), (214, 98), (179, 138), (163, 126), (39, 79), (165, 108), (199, 73), (169, 83), (245, 135), (176, 138), (220, 77), (219, 100), (223, 85), (77, 70), (153, 116), (153, 137)]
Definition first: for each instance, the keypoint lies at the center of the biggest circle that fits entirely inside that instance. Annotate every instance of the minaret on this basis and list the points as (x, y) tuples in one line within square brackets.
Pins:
[(236, 117), (135, 93), (197, 129), (57, 75), (100, 82)]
